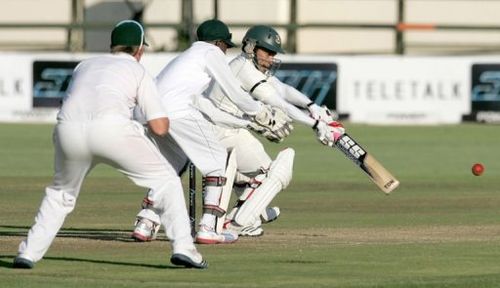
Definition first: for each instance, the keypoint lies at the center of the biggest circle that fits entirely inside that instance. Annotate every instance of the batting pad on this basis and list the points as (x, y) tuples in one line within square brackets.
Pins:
[(279, 176), (227, 188)]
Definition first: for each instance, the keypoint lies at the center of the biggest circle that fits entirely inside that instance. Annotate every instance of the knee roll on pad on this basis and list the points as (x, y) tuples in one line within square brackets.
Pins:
[(214, 210), (214, 181), (212, 186)]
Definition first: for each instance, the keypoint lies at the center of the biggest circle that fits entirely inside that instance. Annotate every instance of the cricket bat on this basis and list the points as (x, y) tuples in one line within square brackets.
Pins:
[(375, 171)]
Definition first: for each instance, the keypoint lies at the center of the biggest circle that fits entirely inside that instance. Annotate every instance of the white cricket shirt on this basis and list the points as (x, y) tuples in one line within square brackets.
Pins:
[(192, 72), (110, 86)]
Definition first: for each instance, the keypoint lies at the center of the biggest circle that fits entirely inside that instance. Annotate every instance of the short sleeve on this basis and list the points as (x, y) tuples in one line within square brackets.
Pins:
[(148, 99)]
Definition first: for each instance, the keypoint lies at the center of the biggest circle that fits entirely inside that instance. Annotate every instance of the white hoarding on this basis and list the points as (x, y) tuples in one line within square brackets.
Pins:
[(402, 90), (369, 89)]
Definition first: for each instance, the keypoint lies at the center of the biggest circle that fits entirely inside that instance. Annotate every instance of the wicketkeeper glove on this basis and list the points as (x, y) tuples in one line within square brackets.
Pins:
[(275, 120), (264, 132), (328, 133)]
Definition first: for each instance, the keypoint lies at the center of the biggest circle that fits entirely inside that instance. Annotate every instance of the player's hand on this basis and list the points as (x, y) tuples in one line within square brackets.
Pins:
[(322, 113), (275, 120), (329, 133), (265, 132)]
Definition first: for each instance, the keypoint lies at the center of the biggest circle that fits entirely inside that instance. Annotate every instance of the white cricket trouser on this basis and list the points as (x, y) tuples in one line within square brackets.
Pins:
[(193, 137), (251, 156), (79, 146)]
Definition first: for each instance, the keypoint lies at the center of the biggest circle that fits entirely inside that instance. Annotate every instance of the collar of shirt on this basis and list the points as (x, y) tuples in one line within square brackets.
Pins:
[(124, 55)]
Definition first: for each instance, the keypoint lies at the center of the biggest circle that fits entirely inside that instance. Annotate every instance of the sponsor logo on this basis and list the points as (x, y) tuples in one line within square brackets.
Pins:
[(487, 86), (351, 147), (50, 81), (488, 116), (318, 81), (277, 40), (485, 93), (389, 184), (408, 90)]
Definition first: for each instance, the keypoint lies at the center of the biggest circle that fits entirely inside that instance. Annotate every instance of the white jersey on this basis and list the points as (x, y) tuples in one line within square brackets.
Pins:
[(192, 72), (94, 126), (110, 86), (269, 90)]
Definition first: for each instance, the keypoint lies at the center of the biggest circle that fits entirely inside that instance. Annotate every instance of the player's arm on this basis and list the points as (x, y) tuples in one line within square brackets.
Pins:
[(218, 116), (276, 121), (263, 89), (268, 94), (150, 106), (327, 129), (295, 97), (159, 126), (224, 119), (291, 95), (218, 68)]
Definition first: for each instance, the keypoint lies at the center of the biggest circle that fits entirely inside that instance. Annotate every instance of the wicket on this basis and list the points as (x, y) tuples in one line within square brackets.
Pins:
[(192, 198)]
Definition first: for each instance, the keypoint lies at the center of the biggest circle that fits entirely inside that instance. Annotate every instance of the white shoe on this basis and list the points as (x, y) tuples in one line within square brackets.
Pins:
[(189, 258), (254, 230), (270, 214), (207, 235), (145, 230)]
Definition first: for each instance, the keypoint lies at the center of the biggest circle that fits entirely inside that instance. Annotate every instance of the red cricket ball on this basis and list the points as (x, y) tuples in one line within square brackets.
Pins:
[(477, 169)]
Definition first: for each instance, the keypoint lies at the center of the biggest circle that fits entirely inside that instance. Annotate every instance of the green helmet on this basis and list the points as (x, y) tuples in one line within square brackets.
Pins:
[(265, 37)]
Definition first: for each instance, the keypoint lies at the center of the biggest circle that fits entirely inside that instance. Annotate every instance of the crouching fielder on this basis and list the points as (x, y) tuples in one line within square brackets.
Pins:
[(94, 126)]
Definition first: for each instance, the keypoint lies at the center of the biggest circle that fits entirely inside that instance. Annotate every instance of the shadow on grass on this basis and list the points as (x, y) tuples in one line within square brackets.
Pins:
[(84, 233), (8, 263)]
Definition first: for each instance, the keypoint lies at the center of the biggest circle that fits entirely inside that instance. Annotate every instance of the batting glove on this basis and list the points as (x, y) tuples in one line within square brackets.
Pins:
[(329, 133), (322, 113)]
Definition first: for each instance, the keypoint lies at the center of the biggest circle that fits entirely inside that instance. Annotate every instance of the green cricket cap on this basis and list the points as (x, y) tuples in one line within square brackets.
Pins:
[(128, 33), (214, 29)]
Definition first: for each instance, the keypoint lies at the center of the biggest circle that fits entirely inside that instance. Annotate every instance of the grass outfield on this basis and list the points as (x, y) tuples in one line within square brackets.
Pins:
[(440, 228)]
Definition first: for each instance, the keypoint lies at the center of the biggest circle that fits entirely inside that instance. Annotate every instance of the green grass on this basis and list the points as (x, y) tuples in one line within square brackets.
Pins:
[(440, 228)]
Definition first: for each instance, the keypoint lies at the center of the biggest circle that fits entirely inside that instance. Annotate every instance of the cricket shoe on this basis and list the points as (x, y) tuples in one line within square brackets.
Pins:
[(254, 230), (189, 258), (23, 263), (270, 214), (145, 230), (207, 235)]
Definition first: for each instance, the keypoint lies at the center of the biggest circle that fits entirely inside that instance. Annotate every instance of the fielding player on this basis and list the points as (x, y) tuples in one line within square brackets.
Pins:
[(94, 126), (184, 79)]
